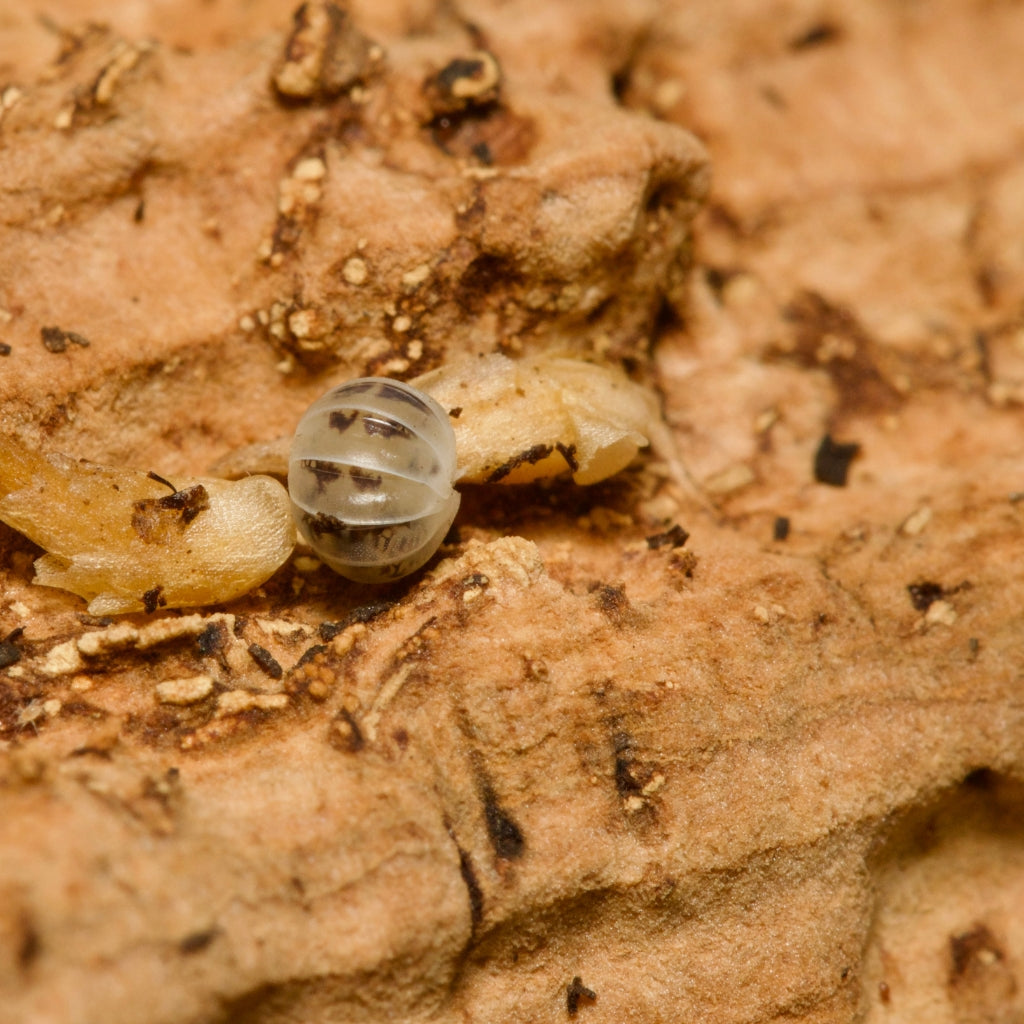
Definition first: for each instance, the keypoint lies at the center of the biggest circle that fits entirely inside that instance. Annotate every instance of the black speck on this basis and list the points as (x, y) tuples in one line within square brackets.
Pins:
[(818, 35), (266, 661), (504, 833), (924, 595), (329, 630), (92, 620), (983, 779), (568, 452), (780, 528), (577, 993), (198, 941), (461, 67), (476, 896), (162, 480), (473, 581), (626, 781), (483, 153), (718, 277), (5, 349), (972, 948), (531, 456), (611, 601), (365, 613), (346, 734), (674, 537), (456, 412), (186, 503), (140, 211), (211, 640), (832, 461), (9, 654), (29, 947), (56, 339), (152, 599), (310, 653)]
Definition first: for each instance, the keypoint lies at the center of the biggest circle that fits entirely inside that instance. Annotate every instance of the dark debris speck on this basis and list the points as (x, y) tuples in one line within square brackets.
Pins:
[(266, 661), (674, 537), (576, 994), (56, 339), (832, 461), (9, 654), (923, 595)]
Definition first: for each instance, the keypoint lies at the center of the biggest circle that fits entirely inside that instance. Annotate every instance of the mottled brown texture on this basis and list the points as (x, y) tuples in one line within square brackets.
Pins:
[(617, 742)]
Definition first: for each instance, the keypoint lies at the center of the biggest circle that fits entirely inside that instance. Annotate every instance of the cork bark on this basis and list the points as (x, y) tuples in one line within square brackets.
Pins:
[(743, 746)]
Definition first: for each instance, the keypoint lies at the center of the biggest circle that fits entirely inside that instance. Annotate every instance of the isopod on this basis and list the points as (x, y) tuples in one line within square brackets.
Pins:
[(370, 476)]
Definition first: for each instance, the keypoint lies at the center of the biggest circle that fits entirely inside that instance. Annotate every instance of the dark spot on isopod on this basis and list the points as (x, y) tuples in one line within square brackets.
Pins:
[(341, 421), (578, 993), (153, 599), (325, 524), (456, 412), (780, 528), (364, 479), (381, 426), (325, 472), (396, 394), (5, 349), (832, 461), (356, 387)]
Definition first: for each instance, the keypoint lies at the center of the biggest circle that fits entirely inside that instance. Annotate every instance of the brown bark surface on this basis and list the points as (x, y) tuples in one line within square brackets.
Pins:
[(586, 766)]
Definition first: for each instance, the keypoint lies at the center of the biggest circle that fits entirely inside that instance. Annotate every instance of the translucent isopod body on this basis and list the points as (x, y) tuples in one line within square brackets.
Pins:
[(370, 478)]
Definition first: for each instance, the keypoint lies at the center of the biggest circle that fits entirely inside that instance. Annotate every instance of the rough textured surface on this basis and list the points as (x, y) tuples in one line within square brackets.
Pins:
[(588, 766)]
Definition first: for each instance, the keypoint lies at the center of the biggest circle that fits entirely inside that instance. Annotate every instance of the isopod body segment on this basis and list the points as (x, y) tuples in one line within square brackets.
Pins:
[(370, 477)]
